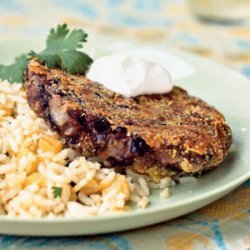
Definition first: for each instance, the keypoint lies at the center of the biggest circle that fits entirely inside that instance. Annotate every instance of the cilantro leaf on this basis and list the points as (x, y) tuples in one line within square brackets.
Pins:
[(15, 71), (62, 50), (57, 191)]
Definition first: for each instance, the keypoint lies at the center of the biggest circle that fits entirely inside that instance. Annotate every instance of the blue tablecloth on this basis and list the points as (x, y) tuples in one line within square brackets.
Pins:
[(225, 224)]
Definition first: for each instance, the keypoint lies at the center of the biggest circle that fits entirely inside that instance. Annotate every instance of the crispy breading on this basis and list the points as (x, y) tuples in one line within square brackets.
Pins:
[(157, 135)]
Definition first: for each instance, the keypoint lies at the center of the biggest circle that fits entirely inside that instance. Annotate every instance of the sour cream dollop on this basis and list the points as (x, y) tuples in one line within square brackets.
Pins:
[(130, 75)]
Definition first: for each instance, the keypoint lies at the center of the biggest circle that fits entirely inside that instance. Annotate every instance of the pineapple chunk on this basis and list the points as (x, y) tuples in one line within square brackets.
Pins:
[(50, 144), (7, 111), (31, 145), (33, 160), (33, 163), (119, 184), (35, 178), (73, 196), (92, 187)]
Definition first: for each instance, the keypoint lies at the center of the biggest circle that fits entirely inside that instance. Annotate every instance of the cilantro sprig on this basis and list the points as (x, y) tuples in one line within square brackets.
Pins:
[(62, 51), (15, 71), (57, 191)]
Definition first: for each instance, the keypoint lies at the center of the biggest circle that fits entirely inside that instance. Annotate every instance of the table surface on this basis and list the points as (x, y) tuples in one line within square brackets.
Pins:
[(225, 224)]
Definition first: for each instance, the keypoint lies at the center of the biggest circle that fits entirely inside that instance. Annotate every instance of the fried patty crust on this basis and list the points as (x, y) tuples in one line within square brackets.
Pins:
[(158, 135)]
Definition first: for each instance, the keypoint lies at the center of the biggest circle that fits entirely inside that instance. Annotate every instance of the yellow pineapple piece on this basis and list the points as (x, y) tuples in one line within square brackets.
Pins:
[(92, 187), (73, 196), (50, 144), (119, 184), (35, 178), (31, 145), (34, 161), (7, 111)]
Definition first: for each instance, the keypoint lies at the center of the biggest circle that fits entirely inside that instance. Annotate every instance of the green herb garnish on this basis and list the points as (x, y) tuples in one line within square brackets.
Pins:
[(62, 51), (15, 71), (57, 191)]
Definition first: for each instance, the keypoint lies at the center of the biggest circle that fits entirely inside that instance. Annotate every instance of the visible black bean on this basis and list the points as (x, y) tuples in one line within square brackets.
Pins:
[(56, 81), (73, 139), (129, 122), (121, 130), (98, 95), (82, 120), (139, 146), (172, 167), (123, 162), (136, 100), (100, 124)]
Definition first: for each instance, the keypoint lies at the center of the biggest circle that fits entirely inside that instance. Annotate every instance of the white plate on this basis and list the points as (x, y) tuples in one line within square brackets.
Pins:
[(226, 90)]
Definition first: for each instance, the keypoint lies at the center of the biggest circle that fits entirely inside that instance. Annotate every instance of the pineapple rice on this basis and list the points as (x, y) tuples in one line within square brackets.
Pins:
[(40, 177)]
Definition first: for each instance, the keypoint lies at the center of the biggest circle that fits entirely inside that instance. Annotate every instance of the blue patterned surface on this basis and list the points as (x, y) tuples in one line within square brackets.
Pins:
[(89, 243), (223, 225)]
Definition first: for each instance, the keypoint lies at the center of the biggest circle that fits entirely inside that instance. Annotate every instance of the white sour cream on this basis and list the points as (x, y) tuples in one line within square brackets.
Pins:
[(130, 75)]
